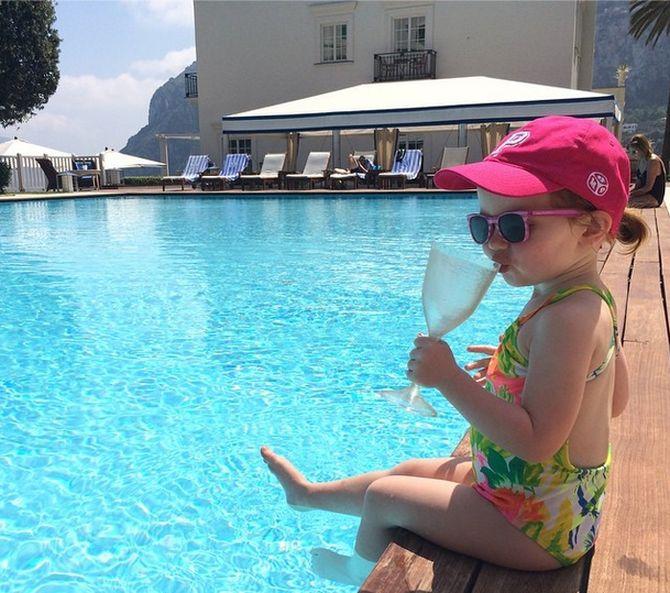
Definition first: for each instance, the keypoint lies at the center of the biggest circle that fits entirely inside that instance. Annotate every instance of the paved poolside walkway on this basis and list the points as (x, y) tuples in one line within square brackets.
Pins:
[(176, 192), (633, 550)]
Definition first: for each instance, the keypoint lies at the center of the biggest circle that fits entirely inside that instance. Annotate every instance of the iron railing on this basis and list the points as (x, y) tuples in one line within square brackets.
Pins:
[(191, 80), (405, 65)]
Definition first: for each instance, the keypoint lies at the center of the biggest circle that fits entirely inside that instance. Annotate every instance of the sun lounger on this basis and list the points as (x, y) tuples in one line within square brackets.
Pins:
[(341, 179), (273, 163), (196, 165), (315, 170), (230, 171), (451, 156), (406, 167)]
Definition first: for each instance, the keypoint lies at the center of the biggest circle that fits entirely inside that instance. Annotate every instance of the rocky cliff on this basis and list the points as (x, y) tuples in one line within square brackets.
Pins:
[(169, 113)]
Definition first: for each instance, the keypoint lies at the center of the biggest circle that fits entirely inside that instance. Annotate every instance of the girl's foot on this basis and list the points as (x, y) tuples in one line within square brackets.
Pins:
[(296, 487), (350, 570)]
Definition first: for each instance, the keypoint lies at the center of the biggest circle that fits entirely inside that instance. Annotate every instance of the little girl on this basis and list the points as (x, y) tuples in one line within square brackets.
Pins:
[(530, 495)]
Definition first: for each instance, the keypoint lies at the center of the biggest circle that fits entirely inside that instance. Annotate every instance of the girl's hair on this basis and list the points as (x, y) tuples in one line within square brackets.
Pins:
[(632, 231), (642, 143)]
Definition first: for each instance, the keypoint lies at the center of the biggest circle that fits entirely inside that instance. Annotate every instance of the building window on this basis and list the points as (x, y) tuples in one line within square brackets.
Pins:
[(410, 143), (409, 33), (334, 42), (239, 145)]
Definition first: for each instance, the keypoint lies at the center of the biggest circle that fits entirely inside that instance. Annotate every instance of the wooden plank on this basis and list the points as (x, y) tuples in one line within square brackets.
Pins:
[(648, 252), (634, 542), (417, 565), (663, 225), (494, 579), (615, 275), (645, 316)]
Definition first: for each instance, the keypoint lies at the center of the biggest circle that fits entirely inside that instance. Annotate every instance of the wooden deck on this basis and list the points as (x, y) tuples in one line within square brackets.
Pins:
[(633, 549)]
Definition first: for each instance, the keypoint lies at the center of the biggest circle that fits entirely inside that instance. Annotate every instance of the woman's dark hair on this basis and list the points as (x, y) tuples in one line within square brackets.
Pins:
[(633, 231), (642, 143)]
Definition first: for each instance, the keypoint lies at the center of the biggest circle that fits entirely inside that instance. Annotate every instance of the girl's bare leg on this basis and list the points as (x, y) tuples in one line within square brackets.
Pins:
[(448, 514), (346, 496)]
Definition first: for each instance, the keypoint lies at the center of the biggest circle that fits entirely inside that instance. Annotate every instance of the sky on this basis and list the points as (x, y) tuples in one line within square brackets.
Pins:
[(113, 55)]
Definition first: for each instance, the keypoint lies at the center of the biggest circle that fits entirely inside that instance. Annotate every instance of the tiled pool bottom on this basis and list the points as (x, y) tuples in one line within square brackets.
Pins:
[(149, 347)]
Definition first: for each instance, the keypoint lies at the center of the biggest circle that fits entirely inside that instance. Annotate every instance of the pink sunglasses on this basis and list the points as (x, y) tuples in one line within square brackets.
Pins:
[(513, 226)]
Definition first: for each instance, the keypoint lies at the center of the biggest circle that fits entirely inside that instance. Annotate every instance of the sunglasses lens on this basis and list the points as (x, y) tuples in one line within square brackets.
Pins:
[(479, 229), (512, 228)]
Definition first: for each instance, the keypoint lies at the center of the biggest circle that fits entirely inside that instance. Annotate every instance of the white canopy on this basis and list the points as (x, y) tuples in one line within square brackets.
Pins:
[(472, 99), (16, 146), (119, 160)]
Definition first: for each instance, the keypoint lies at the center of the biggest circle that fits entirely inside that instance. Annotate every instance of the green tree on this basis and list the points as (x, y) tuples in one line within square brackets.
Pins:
[(29, 49), (653, 18)]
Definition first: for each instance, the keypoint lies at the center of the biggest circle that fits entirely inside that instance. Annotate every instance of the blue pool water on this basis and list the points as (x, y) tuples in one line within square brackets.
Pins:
[(148, 347)]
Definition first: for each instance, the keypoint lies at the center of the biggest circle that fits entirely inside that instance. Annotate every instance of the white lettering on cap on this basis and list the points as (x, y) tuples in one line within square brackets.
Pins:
[(514, 140), (597, 183)]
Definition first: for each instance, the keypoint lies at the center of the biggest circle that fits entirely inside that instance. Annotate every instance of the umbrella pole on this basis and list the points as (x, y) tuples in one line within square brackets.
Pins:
[(19, 171)]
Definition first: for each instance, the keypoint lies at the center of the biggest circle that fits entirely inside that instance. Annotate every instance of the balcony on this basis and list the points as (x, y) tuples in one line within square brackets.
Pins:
[(191, 80), (405, 65)]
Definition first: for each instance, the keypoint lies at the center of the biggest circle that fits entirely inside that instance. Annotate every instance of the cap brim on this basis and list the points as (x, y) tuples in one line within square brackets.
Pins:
[(496, 177)]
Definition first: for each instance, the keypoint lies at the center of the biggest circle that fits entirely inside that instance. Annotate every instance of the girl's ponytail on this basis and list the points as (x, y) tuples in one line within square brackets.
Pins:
[(632, 231)]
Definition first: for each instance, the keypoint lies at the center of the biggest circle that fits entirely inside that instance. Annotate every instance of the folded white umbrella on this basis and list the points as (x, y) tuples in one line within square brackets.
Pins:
[(16, 146), (118, 160)]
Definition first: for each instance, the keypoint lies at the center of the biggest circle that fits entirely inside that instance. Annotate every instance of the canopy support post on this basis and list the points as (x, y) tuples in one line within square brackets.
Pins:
[(336, 148), (462, 135), (162, 142), (225, 145)]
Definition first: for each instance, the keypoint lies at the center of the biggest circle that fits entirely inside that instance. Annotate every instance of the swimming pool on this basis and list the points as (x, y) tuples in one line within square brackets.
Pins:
[(148, 348)]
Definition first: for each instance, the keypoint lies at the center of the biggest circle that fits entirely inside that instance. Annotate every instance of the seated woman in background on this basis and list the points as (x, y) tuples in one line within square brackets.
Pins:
[(649, 188), (357, 164)]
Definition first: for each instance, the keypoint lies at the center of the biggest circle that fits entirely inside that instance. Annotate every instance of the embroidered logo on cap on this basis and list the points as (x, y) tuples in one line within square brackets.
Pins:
[(514, 140), (597, 183)]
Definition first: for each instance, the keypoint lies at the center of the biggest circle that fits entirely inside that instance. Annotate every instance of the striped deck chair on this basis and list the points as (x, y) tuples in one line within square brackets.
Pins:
[(196, 165), (230, 171), (314, 170), (451, 156), (406, 167), (273, 163)]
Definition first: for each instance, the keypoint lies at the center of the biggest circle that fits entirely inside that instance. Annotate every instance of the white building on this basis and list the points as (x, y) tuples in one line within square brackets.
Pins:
[(257, 53)]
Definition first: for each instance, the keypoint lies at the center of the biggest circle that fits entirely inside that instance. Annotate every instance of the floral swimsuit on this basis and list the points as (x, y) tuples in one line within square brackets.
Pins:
[(553, 502)]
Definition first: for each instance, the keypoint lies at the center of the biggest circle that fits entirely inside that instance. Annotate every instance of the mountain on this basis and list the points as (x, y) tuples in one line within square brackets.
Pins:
[(169, 113), (648, 83)]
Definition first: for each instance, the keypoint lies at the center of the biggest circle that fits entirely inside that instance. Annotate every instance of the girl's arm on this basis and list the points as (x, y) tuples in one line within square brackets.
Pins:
[(562, 346), (621, 386)]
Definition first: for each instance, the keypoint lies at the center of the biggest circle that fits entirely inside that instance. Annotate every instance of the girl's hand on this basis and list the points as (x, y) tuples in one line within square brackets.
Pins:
[(481, 364), (432, 363)]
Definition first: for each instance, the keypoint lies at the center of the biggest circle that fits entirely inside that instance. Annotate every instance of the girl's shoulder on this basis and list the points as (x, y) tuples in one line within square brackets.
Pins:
[(567, 301), (581, 312)]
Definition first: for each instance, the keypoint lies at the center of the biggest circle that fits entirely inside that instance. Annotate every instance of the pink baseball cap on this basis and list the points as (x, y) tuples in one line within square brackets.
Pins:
[(550, 154)]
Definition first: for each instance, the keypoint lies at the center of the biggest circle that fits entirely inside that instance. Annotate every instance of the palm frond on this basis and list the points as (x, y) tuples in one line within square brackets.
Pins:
[(651, 17)]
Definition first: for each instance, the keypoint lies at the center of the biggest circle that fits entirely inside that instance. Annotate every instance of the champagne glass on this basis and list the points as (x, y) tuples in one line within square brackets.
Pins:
[(453, 286)]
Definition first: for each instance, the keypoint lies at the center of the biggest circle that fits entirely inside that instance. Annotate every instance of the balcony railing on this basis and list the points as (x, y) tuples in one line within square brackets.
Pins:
[(191, 80), (405, 65)]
